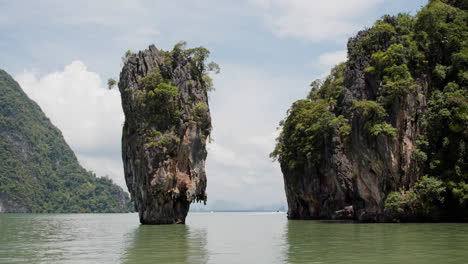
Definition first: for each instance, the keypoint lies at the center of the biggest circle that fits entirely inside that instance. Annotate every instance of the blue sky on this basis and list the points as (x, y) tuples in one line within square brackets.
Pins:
[(62, 52)]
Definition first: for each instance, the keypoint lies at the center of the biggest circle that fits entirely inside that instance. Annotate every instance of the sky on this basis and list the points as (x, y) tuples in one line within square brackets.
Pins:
[(62, 52)]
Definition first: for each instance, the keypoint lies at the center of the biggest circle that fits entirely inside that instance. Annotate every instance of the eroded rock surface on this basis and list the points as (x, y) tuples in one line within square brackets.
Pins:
[(167, 123)]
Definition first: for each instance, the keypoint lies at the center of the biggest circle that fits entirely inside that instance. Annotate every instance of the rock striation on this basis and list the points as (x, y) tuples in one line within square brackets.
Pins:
[(167, 124)]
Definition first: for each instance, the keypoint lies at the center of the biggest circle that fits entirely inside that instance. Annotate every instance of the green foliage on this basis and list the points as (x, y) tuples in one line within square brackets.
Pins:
[(213, 67), (430, 190), (459, 192), (180, 46), (198, 57), (208, 81), (419, 155), (382, 129), (392, 66), (111, 83), (442, 31), (369, 110), (167, 142), (127, 55), (342, 124), (159, 99), (304, 132), (441, 71), (374, 116), (38, 170), (397, 82), (401, 201), (448, 118), (425, 198), (378, 36), (315, 87), (201, 115), (333, 86), (394, 55)]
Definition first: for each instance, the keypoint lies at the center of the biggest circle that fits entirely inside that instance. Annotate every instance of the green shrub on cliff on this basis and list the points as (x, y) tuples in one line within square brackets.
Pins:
[(424, 199), (332, 88), (201, 115), (159, 99), (374, 116), (198, 57), (111, 83), (402, 201), (304, 132)]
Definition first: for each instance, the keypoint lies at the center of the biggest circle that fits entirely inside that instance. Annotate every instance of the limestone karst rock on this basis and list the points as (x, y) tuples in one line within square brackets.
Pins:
[(360, 146), (167, 124)]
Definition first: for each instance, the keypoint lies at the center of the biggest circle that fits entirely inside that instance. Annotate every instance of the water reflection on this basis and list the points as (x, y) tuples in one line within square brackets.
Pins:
[(326, 242), (224, 238), (28, 236), (36, 238), (166, 244)]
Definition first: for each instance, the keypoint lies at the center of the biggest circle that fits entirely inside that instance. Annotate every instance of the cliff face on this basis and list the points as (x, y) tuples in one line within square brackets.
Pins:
[(359, 146), (39, 173), (167, 123)]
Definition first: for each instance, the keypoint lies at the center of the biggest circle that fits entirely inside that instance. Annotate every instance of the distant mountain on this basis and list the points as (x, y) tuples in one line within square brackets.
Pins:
[(221, 205), (39, 173)]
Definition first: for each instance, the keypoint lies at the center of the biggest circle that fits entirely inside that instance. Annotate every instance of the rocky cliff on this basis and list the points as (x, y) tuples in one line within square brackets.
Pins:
[(167, 124), (383, 137), (39, 173)]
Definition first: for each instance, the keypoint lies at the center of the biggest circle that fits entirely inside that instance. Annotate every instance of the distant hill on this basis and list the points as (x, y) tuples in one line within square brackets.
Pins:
[(221, 205), (39, 173)]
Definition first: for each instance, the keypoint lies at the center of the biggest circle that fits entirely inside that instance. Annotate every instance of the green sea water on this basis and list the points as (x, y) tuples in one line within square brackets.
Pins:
[(224, 238)]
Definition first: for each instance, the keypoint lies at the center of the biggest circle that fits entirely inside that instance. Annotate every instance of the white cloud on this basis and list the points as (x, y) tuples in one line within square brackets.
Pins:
[(314, 20), (105, 166), (326, 61), (330, 59), (88, 114), (226, 156), (246, 108)]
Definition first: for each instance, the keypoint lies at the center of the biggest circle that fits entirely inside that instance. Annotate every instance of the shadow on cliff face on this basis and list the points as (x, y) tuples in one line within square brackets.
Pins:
[(166, 244)]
